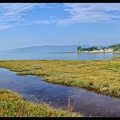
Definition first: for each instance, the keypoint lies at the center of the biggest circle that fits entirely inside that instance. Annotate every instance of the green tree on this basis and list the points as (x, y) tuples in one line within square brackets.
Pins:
[(103, 48), (83, 49), (94, 48), (79, 48)]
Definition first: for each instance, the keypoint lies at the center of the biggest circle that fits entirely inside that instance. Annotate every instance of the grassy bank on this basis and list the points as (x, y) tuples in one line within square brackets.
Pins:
[(12, 105), (100, 76)]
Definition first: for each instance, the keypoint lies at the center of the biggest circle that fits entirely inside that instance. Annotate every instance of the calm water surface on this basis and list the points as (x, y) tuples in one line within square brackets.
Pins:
[(60, 56), (34, 89)]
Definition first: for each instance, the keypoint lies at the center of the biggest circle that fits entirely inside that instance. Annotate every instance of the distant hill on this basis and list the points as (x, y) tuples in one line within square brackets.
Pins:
[(44, 49)]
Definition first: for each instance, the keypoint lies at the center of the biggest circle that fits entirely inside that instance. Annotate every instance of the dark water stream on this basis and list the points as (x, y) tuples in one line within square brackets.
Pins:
[(34, 89)]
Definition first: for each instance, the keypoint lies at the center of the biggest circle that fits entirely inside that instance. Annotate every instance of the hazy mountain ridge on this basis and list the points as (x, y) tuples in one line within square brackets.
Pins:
[(45, 49)]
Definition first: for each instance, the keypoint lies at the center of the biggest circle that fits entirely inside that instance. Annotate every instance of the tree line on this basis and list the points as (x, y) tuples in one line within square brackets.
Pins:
[(114, 47), (79, 48)]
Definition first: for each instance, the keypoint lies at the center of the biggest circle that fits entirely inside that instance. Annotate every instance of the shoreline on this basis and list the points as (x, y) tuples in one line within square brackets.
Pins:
[(94, 75), (83, 52)]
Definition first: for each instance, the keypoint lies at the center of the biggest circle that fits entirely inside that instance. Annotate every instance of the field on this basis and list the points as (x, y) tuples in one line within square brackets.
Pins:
[(100, 76)]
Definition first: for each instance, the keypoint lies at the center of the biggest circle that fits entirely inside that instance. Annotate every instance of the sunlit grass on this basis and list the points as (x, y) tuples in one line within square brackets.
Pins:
[(116, 57), (100, 76), (12, 105)]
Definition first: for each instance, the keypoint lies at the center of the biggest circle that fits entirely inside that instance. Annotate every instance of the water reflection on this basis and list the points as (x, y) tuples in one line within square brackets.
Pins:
[(95, 56), (60, 56), (34, 89)]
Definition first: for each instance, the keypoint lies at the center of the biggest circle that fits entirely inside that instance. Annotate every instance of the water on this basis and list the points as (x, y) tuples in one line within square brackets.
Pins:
[(60, 56), (52, 52), (34, 89)]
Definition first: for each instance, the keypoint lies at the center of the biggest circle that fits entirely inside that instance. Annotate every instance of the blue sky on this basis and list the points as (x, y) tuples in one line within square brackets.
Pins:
[(36, 24)]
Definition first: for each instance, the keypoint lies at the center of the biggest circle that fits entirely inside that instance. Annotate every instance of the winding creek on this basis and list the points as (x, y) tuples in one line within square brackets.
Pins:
[(32, 88)]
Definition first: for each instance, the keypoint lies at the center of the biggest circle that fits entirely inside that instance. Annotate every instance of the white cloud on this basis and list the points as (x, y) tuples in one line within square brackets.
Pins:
[(5, 26), (33, 22), (90, 12), (12, 9), (11, 14)]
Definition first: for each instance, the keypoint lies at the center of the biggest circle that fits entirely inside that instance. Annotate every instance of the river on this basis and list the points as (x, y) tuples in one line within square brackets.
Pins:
[(34, 89)]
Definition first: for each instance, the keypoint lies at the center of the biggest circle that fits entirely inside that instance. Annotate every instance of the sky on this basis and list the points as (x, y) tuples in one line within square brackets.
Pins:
[(36, 24)]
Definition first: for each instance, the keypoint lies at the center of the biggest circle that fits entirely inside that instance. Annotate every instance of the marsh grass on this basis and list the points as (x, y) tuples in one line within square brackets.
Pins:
[(99, 76), (69, 107), (116, 58), (13, 105)]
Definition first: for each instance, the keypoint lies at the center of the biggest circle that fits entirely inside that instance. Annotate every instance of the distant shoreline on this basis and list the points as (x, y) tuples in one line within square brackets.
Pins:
[(82, 52), (96, 52)]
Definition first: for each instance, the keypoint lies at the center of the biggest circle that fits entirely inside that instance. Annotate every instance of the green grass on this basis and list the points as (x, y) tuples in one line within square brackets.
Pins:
[(116, 57), (13, 105), (100, 76)]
